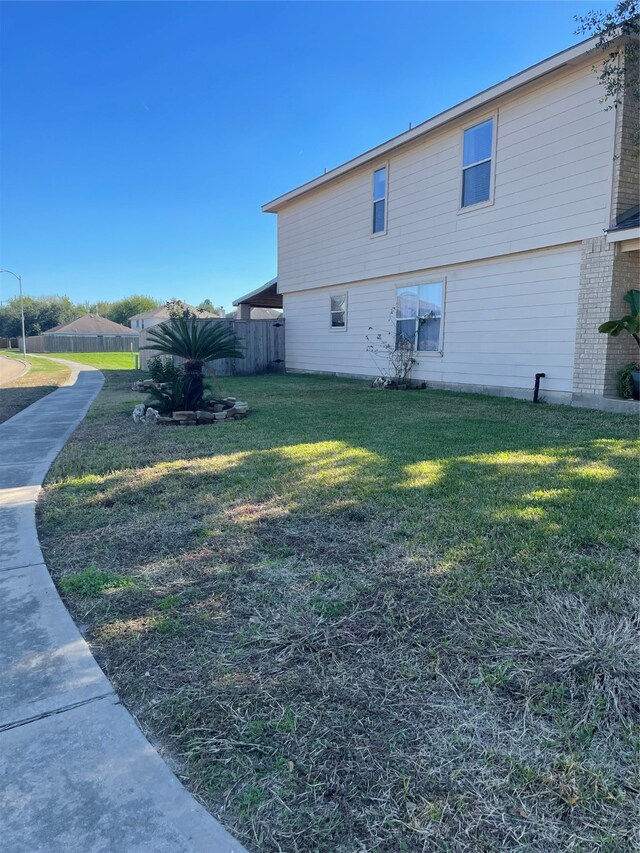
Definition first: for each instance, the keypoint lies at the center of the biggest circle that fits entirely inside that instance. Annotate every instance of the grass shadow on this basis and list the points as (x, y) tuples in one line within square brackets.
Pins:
[(366, 620)]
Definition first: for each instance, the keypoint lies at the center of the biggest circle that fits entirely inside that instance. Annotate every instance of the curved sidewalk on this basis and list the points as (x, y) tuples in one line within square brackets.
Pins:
[(11, 369), (77, 773)]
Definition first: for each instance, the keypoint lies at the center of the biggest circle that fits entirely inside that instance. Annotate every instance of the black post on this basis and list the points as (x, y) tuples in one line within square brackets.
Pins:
[(536, 387)]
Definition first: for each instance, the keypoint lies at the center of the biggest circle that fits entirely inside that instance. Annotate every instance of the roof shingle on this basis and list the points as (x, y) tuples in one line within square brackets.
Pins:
[(90, 324)]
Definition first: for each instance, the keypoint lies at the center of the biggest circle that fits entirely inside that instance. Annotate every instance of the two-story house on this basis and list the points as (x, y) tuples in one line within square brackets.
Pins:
[(155, 316), (495, 237)]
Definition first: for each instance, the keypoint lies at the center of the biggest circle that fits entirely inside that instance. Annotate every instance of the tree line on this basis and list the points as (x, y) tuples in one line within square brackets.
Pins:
[(42, 313)]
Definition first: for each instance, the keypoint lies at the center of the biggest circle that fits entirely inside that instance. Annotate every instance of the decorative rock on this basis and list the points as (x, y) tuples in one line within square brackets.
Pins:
[(205, 417), (167, 422), (138, 413), (217, 407), (151, 416), (219, 416), (184, 416)]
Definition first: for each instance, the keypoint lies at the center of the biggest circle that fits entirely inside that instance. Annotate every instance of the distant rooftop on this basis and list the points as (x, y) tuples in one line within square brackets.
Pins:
[(91, 324), (163, 313), (257, 314)]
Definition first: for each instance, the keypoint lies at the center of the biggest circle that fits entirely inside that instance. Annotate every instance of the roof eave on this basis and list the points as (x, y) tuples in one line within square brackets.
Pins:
[(534, 72), (255, 292), (618, 235)]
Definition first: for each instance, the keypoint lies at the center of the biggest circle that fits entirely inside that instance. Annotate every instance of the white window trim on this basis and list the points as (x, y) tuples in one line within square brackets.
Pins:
[(374, 200), (339, 329), (425, 353), (492, 180)]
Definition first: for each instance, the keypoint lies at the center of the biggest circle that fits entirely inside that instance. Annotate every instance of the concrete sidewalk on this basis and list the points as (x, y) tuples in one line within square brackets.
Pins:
[(77, 773)]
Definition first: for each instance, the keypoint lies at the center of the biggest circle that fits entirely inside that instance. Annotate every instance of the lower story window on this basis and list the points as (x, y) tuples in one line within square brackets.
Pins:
[(339, 311), (419, 317)]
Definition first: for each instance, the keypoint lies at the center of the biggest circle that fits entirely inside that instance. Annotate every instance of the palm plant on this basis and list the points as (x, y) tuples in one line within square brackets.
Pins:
[(196, 343), (169, 398), (630, 322)]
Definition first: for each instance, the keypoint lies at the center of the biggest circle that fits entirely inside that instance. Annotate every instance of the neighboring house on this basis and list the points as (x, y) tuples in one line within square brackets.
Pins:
[(91, 325), (501, 233), (256, 314), (160, 315)]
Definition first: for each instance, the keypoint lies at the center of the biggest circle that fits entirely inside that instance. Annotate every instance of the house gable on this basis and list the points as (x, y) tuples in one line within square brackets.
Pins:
[(553, 172)]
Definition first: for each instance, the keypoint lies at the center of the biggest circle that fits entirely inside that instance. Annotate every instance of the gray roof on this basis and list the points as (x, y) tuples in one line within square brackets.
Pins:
[(258, 313), (91, 324), (629, 219), (163, 313)]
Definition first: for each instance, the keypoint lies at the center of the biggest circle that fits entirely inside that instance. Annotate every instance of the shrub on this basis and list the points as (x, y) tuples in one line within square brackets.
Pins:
[(171, 397), (196, 344), (625, 383), (163, 370)]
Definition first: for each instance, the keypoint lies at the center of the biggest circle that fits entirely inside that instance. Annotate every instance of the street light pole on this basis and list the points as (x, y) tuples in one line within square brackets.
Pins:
[(24, 337)]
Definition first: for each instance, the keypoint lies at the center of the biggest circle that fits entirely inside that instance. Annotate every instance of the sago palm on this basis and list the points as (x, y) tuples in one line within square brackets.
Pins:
[(196, 343)]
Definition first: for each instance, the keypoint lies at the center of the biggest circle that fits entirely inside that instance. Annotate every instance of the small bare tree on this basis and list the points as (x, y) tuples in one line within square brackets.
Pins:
[(393, 355)]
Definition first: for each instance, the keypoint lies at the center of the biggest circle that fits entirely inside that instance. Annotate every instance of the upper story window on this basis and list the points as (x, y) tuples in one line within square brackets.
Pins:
[(477, 156), (419, 311), (380, 200), (339, 311)]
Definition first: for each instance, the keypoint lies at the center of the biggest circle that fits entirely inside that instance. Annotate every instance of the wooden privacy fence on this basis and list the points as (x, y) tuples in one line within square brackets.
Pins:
[(81, 343), (261, 340)]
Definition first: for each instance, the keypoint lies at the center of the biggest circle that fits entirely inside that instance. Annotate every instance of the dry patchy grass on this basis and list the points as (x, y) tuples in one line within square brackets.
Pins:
[(361, 620)]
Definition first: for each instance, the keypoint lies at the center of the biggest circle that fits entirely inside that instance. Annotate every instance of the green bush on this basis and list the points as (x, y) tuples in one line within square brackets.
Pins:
[(163, 370), (196, 343), (625, 383), (170, 398)]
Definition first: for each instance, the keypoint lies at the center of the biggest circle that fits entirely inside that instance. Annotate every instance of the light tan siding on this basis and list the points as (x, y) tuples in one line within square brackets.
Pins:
[(505, 320), (553, 168)]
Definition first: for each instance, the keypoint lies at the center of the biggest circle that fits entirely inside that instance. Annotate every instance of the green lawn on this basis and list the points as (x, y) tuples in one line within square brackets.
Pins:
[(42, 377), (367, 620), (101, 360)]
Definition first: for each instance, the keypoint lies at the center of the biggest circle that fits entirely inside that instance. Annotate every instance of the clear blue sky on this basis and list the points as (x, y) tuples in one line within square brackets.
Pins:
[(140, 139)]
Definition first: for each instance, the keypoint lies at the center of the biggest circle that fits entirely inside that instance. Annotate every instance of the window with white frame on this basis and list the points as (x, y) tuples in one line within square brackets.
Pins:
[(339, 311), (477, 159), (380, 200), (419, 311)]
